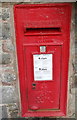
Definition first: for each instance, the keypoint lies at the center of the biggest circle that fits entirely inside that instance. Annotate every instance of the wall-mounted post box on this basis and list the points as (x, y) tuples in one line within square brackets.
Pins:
[(42, 40)]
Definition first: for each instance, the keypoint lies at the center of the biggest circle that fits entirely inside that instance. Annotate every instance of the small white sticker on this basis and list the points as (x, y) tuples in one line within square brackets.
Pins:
[(42, 67)]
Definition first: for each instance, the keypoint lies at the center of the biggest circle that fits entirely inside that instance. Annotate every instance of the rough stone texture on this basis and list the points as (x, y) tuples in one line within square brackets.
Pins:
[(8, 77), (13, 110), (0, 46), (0, 112), (0, 13), (5, 31), (37, 0), (5, 14), (53, 0), (8, 67), (1, 30), (76, 102), (76, 39), (76, 58), (4, 112), (8, 94), (5, 58), (0, 94), (8, 46), (9, 111), (71, 80)]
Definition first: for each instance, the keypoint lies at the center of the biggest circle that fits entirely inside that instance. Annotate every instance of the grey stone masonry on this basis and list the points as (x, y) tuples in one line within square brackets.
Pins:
[(5, 14), (8, 46), (4, 112), (1, 30), (5, 58), (0, 112), (8, 75), (8, 94), (5, 31), (37, 0)]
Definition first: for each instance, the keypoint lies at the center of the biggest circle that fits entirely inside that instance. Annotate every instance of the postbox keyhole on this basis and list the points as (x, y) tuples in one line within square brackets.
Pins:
[(33, 85)]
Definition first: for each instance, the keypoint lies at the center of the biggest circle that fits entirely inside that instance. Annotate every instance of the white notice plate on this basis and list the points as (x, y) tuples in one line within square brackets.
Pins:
[(42, 67)]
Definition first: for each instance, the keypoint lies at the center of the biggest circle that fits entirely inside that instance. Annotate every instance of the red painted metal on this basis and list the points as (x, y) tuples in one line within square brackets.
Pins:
[(43, 25)]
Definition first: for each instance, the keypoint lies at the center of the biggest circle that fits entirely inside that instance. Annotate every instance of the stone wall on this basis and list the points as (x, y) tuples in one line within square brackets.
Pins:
[(9, 81), (8, 65), (71, 77)]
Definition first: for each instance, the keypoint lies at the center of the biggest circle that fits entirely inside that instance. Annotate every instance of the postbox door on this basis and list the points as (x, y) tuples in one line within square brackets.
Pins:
[(43, 77)]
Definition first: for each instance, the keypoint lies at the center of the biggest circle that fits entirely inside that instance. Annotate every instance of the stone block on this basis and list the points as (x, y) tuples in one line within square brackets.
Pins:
[(1, 46), (8, 46), (8, 77), (1, 30), (9, 95), (6, 32), (5, 14), (73, 90), (13, 110), (0, 112), (5, 58), (76, 81), (0, 13), (0, 94), (71, 105), (4, 112), (76, 103)]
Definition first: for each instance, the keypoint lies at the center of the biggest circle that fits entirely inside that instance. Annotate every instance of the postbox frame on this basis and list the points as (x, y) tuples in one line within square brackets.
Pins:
[(64, 82)]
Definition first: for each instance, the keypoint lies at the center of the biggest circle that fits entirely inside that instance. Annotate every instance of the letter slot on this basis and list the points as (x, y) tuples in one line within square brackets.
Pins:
[(43, 31)]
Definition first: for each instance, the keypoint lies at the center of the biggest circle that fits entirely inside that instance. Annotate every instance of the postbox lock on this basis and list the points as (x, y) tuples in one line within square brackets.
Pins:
[(33, 85)]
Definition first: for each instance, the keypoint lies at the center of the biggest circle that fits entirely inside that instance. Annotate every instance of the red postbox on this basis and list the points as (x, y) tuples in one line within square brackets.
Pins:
[(42, 40)]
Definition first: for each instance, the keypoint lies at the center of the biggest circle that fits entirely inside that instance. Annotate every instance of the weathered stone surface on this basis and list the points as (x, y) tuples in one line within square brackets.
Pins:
[(76, 57), (1, 46), (5, 14), (71, 79), (37, 0), (6, 33), (5, 58), (0, 13), (53, 0), (13, 110), (4, 112), (14, 0), (73, 90), (71, 106), (0, 112), (8, 77), (1, 30), (76, 102), (8, 46), (0, 94), (9, 94), (75, 81)]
